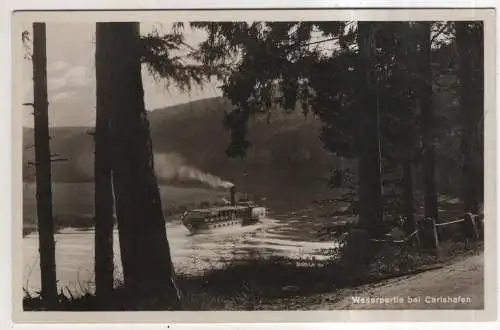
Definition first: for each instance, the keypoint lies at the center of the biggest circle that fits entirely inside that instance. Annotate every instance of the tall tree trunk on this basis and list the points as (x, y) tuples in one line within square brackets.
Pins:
[(43, 165), (370, 183), (103, 198), (427, 113), (147, 266), (409, 138), (469, 39)]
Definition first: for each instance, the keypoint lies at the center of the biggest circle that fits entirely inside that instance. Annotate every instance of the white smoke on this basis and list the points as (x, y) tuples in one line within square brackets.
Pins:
[(172, 166)]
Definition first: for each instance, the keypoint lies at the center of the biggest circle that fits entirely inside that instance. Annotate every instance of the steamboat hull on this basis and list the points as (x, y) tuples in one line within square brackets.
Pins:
[(207, 219)]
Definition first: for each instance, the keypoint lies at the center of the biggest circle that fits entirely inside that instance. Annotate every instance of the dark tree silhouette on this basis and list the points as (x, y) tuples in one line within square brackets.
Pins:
[(408, 104), (428, 123), (470, 44), (147, 265), (103, 196), (396, 100), (43, 168), (369, 172)]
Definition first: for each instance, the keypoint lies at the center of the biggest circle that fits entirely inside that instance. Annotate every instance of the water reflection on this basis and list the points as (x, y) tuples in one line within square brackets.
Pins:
[(191, 254)]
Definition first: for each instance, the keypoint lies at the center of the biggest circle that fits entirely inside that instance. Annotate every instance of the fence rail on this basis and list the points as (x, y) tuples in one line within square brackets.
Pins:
[(449, 222), (427, 231)]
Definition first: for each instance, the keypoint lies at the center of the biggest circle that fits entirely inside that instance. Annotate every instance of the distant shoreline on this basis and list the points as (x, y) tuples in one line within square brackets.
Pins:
[(29, 228)]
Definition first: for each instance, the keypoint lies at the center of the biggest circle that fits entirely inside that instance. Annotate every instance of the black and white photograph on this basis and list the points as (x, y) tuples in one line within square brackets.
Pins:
[(205, 163)]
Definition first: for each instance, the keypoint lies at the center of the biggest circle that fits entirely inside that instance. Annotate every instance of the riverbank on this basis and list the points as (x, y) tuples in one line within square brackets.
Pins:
[(285, 284)]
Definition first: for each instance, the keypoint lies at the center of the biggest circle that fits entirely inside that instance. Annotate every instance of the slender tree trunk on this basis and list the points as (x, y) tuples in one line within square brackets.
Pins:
[(469, 38), (43, 165), (147, 266), (427, 113), (409, 210), (370, 183), (103, 198), (409, 105)]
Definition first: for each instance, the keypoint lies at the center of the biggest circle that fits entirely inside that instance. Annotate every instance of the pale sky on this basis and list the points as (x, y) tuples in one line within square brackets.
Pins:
[(71, 76)]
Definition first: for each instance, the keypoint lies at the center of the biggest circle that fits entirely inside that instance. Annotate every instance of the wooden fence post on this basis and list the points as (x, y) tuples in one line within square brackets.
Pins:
[(479, 225), (418, 241)]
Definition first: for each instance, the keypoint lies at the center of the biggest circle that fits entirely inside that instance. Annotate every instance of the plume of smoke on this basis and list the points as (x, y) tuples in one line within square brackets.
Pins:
[(172, 166)]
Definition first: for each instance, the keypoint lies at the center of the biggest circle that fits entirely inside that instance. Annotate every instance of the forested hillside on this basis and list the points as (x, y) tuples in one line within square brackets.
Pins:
[(285, 152)]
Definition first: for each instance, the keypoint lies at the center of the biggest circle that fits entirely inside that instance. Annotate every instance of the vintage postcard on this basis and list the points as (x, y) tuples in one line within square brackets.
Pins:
[(254, 165)]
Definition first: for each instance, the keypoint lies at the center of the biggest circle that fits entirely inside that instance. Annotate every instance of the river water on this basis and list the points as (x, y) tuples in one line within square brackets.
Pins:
[(191, 254)]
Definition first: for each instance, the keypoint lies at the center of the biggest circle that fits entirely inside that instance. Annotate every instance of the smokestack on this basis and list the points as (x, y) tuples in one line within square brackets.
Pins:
[(232, 191)]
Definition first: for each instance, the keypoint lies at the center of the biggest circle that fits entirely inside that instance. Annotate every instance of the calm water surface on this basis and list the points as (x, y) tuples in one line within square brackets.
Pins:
[(191, 254)]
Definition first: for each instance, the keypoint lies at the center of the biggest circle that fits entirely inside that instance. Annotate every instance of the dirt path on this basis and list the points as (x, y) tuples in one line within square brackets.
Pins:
[(456, 286)]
